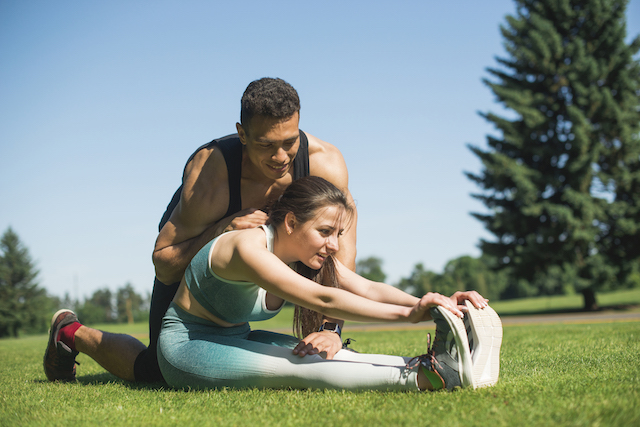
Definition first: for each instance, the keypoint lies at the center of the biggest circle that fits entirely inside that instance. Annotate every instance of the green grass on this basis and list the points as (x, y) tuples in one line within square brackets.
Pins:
[(551, 374), (566, 303)]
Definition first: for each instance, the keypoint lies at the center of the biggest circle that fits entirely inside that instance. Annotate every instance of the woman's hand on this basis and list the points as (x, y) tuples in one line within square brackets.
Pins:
[(476, 299), (420, 311), (319, 342)]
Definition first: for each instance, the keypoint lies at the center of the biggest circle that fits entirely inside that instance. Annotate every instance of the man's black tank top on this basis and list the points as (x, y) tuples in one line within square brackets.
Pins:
[(231, 149)]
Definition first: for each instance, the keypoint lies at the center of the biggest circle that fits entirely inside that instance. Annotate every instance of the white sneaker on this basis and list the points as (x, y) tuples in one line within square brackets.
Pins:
[(484, 330)]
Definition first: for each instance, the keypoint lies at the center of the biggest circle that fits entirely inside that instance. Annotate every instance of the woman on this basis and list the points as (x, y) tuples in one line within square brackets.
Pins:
[(244, 276)]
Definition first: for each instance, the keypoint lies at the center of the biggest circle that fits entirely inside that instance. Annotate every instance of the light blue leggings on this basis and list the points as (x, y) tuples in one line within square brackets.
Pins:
[(196, 353)]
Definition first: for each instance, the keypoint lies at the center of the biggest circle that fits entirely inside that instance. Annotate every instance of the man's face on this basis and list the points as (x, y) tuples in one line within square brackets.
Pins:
[(271, 144)]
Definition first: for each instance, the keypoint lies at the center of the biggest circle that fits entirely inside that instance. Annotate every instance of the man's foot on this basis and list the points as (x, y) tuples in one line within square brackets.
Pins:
[(59, 359), (447, 364), (484, 330)]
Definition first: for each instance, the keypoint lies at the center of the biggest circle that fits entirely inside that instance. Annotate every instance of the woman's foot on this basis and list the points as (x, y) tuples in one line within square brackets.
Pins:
[(447, 364)]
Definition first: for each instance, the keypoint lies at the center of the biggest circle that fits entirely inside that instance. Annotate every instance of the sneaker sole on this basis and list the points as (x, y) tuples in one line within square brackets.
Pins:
[(486, 333), (465, 363), (55, 316), (53, 320), (51, 341)]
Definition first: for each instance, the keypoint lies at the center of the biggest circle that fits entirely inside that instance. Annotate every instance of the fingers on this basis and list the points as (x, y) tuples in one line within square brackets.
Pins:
[(250, 219), (476, 299), (432, 299), (302, 349), (319, 342), (454, 304), (451, 306)]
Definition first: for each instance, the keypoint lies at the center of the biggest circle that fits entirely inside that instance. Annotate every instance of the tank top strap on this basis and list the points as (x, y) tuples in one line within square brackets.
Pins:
[(231, 149), (270, 232), (301, 162)]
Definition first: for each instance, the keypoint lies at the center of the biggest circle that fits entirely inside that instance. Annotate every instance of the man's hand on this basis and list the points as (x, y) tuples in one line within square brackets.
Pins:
[(247, 218), (319, 342)]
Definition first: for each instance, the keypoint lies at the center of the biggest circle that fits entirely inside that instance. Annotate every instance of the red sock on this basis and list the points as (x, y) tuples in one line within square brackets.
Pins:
[(68, 335)]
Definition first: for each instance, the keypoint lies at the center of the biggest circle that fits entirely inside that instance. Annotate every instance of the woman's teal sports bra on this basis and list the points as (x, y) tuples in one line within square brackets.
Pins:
[(228, 300)]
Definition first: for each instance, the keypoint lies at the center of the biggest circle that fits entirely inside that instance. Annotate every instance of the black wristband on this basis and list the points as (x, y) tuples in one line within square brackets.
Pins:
[(332, 327)]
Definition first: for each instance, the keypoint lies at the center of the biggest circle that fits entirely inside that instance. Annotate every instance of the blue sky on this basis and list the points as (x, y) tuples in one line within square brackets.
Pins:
[(101, 103)]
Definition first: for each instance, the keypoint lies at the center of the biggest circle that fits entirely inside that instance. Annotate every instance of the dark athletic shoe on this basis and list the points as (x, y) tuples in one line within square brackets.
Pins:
[(484, 330), (447, 363), (59, 359)]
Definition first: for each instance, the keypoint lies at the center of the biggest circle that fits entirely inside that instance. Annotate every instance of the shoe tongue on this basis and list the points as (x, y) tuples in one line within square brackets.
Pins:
[(446, 344)]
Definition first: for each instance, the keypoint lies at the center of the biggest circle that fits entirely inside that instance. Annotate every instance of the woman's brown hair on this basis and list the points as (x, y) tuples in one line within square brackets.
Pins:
[(304, 197)]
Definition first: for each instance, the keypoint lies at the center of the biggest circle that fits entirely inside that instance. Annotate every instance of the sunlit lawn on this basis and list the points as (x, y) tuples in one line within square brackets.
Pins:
[(551, 374)]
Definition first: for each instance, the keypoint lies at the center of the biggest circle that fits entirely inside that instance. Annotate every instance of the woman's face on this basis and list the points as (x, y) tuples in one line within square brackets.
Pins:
[(317, 238)]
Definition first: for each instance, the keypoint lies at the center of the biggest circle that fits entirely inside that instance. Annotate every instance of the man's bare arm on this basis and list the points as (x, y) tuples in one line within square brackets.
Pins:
[(171, 261), (198, 217)]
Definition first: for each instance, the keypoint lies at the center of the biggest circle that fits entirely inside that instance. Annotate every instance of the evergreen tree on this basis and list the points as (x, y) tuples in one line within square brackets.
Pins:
[(572, 83), (24, 306), (622, 234), (619, 128)]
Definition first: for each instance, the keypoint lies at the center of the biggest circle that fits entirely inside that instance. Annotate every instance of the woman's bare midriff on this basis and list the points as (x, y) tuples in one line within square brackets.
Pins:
[(185, 300)]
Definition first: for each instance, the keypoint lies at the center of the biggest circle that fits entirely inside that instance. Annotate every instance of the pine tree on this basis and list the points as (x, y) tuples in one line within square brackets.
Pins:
[(619, 166), (23, 304), (572, 83)]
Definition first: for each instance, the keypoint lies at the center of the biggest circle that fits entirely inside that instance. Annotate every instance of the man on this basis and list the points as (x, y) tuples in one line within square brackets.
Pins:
[(225, 184)]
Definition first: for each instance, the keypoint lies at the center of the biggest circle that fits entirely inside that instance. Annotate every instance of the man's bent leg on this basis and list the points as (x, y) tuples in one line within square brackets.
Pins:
[(114, 352), (146, 364)]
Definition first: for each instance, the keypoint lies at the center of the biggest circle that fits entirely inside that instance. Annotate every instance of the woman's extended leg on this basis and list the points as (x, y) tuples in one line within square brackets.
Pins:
[(235, 362), (288, 341), (204, 356)]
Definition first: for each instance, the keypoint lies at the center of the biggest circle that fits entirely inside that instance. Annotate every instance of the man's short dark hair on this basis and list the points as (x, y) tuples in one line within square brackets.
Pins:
[(268, 97)]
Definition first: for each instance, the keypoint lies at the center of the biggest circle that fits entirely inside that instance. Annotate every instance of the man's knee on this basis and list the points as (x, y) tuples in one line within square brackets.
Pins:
[(146, 368)]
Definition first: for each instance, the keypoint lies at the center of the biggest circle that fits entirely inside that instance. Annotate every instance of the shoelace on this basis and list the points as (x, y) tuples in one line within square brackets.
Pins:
[(347, 343), (427, 360)]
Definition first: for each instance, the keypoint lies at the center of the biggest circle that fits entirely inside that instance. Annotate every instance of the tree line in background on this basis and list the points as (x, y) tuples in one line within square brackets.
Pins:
[(26, 308), (104, 306), (561, 182), (461, 274)]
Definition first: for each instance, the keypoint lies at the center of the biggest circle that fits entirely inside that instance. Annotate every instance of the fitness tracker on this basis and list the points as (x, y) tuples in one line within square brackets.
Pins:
[(332, 327)]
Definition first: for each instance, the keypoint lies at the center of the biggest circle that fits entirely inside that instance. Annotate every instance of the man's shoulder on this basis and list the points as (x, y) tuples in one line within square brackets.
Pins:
[(322, 150), (214, 155), (205, 176), (326, 161), (208, 160)]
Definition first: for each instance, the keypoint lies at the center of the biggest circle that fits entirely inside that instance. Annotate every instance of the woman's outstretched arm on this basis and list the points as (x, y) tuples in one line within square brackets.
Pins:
[(383, 292), (254, 263)]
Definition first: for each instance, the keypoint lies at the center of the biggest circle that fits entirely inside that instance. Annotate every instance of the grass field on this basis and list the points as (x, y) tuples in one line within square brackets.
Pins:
[(551, 374)]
